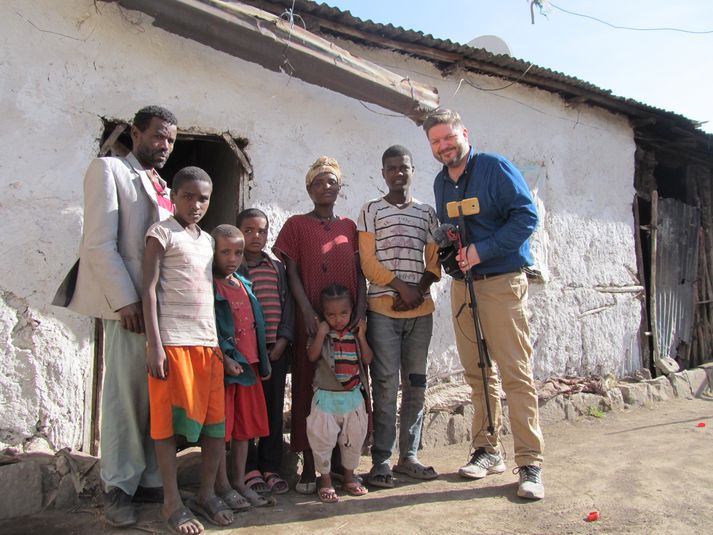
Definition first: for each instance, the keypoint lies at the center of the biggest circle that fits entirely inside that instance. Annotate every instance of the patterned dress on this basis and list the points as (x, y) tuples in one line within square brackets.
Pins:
[(325, 253)]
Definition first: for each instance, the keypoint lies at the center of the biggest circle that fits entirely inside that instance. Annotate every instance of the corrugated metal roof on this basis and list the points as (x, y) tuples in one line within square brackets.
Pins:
[(447, 52)]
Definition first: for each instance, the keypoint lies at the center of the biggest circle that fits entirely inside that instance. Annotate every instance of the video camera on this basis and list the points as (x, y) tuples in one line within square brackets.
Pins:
[(448, 242)]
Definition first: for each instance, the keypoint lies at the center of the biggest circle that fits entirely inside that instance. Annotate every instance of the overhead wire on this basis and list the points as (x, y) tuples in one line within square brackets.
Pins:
[(617, 27)]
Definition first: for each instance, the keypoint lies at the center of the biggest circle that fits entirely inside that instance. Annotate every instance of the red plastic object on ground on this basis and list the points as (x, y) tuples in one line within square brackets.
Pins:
[(701, 424), (593, 516)]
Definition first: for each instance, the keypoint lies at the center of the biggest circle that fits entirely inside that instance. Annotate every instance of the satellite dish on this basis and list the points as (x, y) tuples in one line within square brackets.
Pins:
[(491, 43)]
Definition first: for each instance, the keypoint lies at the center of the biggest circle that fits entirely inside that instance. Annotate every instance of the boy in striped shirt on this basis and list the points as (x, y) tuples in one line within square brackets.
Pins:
[(269, 283), (399, 258)]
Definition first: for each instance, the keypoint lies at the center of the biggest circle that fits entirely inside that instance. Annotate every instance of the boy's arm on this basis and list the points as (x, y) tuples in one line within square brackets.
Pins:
[(433, 268), (155, 355), (410, 296), (286, 328), (314, 347)]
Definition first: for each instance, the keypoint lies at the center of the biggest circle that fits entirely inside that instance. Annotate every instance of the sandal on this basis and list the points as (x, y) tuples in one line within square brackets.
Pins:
[(254, 481), (415, 469), (382, 478), (328, 495), (258, 500), (235, 500), (308, 487), (211, 509), (339, 477), (355, 489), (275, 483), (181, 517)]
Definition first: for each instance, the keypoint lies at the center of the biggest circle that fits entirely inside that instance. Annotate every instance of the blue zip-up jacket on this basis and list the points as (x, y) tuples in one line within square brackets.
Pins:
[(507, 217), (226, 335)]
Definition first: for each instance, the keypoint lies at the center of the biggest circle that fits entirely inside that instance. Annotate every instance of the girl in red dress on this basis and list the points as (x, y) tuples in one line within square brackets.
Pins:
[(318, 249)]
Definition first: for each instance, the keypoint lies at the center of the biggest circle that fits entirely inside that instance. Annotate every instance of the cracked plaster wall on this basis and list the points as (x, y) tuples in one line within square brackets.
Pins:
[(63, 69)]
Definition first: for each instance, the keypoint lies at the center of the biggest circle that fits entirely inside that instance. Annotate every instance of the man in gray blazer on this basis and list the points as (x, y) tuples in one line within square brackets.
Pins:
[(122, 198)]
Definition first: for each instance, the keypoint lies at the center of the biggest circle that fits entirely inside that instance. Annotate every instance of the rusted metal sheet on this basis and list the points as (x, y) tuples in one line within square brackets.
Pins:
[(277, 44), (677, 232)]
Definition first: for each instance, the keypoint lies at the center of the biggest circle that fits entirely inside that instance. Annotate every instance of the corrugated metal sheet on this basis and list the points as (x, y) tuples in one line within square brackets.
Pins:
[(677, 227)]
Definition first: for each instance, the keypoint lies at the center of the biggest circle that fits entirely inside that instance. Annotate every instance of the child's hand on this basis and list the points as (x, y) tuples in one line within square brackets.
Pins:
[(323, 328), (231, 367), (156, 362), (361, 329), (278, 349)]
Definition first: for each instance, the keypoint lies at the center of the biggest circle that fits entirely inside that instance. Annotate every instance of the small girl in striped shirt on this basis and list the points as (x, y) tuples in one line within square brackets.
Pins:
[(338, 414)]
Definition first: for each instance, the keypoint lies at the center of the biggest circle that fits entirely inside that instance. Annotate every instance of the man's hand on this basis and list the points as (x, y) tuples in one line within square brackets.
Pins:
[(132, 318), (468, 257), (409, 297)]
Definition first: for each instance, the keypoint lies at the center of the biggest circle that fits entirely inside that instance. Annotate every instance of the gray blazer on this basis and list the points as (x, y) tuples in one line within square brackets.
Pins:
[(119, 206)]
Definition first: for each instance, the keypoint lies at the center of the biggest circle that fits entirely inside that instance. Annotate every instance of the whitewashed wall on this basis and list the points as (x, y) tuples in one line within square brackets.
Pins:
[(64, 69)]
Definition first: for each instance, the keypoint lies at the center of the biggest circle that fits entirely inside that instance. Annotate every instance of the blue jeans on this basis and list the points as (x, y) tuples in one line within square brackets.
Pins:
[(399, 345)]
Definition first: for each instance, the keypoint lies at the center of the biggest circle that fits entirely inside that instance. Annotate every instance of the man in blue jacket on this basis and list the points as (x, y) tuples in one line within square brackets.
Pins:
[(496, 252)]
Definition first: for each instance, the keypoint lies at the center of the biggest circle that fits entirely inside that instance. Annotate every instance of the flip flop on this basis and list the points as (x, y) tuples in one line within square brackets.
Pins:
[(328, 495), (254, 481), (235, 500), (415, 470), (355, 489), (275, 483), (257, 500), (180, 517), (211, 509), (309, 487)]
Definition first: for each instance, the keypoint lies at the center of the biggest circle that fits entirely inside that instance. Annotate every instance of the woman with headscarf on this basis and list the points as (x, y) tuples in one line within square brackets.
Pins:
[(319, 248)]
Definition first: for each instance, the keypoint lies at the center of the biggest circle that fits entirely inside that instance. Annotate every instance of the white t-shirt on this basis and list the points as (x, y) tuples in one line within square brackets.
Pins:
[(186, 316)]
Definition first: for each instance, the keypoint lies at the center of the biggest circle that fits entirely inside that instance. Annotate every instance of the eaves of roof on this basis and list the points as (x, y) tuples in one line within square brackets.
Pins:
[(670, 131)]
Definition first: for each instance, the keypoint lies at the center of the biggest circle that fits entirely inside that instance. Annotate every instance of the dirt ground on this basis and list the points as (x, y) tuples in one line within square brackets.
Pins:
[(645, 471)]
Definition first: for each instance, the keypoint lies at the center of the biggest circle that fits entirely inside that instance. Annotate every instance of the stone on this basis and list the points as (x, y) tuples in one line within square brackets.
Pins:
[(636, 394), (681, 386), (583, 402), (20, 489), (616, 400), (660, 389), (642, 374), (698, 379), (552, 410)]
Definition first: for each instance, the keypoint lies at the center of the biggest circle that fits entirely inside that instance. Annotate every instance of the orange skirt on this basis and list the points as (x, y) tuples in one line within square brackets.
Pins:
[(191, 400), (246, 411)]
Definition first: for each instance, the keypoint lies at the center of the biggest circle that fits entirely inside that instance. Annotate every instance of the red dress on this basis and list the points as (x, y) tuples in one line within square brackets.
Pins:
[(325, 254)]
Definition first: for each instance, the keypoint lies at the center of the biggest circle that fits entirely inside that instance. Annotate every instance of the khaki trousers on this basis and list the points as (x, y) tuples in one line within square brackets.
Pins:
[(502, 307)]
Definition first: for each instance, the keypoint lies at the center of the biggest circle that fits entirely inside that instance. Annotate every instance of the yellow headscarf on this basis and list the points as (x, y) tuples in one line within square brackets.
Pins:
[(324, 164)]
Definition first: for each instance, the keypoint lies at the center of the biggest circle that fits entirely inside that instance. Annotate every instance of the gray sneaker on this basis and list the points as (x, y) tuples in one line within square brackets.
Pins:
[(531, 486), (481, 464), (118, 509)]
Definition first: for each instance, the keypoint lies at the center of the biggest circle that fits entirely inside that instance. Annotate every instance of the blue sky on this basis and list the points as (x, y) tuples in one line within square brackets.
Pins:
[(669, 70)]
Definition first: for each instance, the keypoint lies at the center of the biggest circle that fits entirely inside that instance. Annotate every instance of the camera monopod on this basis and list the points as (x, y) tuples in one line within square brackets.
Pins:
[(460, 209)]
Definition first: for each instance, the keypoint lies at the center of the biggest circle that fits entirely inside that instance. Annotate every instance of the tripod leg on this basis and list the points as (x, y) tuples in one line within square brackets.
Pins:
[(469, 357)]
